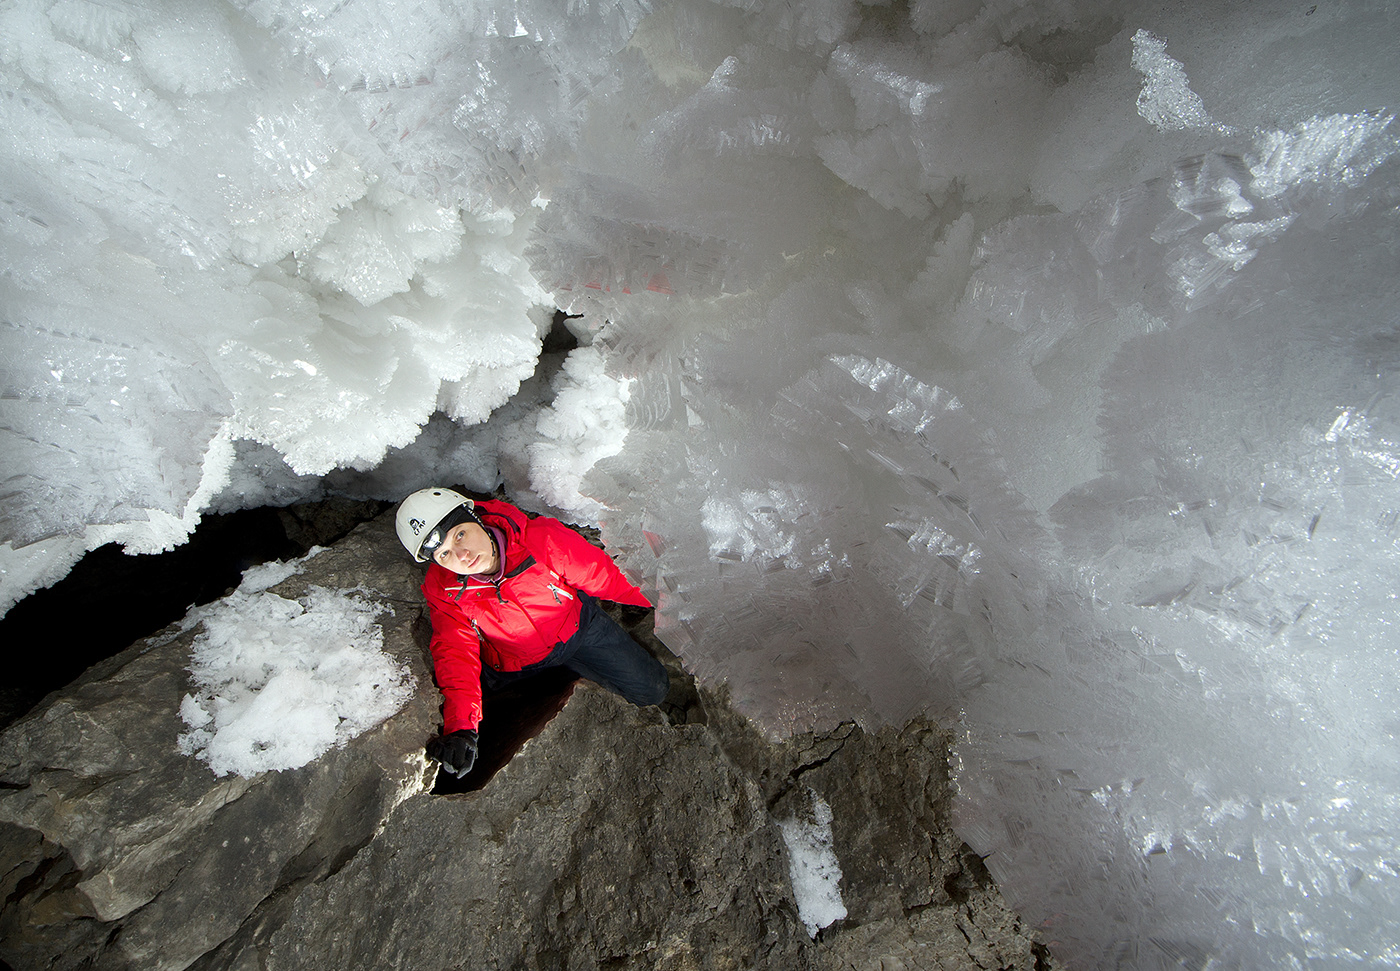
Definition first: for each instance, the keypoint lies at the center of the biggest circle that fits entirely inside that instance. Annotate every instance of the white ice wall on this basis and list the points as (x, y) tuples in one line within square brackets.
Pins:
[(1047, 427), (1029, 364), (213, 230)]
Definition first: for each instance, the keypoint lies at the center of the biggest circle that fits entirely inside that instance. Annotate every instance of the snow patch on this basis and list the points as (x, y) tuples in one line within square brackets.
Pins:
[(813, 868), (280, 682)]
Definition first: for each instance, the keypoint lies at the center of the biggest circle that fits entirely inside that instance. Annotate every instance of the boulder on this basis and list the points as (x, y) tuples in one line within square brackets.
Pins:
[(917, 896), (611, 840), (118, 851)]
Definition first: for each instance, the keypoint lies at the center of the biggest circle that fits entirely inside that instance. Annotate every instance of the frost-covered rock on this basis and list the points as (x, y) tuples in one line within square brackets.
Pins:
[(119, 849)]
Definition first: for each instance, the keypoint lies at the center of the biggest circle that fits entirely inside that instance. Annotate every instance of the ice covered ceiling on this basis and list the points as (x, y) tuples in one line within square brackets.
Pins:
[(1027, 364)]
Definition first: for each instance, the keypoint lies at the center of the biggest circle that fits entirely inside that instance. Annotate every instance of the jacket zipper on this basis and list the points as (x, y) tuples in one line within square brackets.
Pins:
[(528, 562)]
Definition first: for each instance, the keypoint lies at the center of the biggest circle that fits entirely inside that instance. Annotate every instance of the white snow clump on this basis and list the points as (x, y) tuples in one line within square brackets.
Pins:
[(280, 682), (813, 868)]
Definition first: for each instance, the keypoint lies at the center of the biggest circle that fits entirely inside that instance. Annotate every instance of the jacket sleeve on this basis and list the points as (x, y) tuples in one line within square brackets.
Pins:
[(456, 664), (586, 567)]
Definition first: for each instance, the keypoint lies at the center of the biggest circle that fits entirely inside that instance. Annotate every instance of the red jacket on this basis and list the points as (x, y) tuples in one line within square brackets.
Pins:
[(520, 619)]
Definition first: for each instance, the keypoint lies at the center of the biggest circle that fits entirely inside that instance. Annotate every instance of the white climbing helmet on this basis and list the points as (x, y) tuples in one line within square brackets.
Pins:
[(422, 511)]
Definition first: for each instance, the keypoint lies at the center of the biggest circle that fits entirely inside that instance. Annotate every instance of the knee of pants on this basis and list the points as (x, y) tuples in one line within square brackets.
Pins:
[(660, 685)]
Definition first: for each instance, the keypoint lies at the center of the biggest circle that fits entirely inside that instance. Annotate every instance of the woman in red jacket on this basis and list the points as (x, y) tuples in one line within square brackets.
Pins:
[(516, 594)]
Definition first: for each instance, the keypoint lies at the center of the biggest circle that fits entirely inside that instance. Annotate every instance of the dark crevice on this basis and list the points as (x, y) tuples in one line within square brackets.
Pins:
[(806, 767), (32, 882), (511, 716), (955, 886), (135, 596), (97, 960), (840, 734), (971, 876), (68, 878), (832, 930), (344, 856), (559, 340), (333, 845)]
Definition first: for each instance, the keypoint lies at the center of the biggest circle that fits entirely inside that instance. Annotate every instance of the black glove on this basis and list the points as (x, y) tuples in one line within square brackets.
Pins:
[(455, 750)]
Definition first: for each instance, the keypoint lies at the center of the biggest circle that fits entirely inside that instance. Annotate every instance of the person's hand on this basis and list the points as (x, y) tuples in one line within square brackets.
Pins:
[(455, 750)]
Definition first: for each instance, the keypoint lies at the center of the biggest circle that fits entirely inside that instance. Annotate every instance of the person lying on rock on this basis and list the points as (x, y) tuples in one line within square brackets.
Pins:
[(516, 595)]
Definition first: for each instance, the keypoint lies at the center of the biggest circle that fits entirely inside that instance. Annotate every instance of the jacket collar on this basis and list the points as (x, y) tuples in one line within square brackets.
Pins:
[(498, 540), (505, 526)]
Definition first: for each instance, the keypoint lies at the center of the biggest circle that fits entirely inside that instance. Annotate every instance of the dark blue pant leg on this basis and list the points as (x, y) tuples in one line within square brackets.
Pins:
[(603, 652)]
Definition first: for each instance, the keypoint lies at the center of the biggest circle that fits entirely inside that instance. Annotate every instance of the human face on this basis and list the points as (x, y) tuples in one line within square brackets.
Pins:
[(467, 549)]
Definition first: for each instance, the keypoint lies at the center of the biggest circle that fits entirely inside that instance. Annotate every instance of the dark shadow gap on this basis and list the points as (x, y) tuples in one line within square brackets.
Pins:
[(511, 716), (110, 600), (517, 711)]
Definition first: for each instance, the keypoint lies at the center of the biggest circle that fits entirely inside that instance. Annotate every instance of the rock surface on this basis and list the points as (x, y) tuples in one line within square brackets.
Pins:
[(119, 851), (616, 838)]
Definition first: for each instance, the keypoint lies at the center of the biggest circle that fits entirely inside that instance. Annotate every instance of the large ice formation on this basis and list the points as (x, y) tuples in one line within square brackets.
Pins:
[(1029, 363)]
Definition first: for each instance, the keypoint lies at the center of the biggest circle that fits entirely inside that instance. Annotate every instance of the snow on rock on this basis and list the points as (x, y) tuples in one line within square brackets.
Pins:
[(280, 682), (813, 868)]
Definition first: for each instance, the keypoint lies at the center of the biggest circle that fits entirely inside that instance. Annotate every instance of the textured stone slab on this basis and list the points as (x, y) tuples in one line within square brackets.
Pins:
[(611, 840), (121, 851)]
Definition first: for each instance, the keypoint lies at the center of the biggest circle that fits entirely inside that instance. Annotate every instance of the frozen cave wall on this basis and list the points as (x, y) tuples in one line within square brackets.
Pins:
[(1029, 366)]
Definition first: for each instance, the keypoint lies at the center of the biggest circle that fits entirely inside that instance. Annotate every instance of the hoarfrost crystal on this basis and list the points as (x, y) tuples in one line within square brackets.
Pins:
[(1028, 365)]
